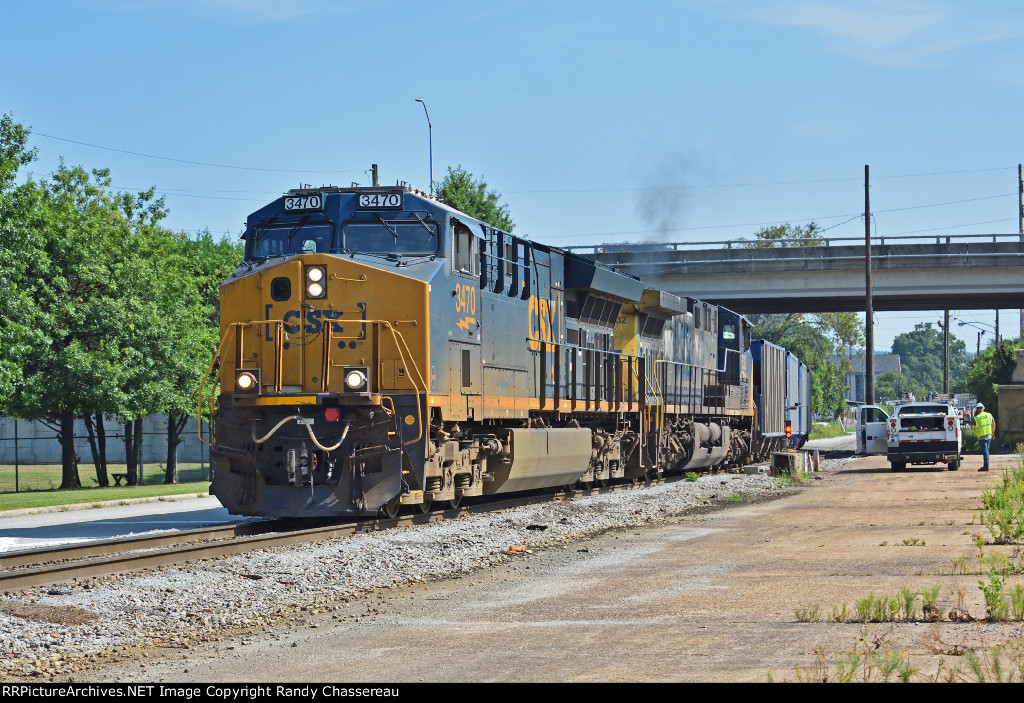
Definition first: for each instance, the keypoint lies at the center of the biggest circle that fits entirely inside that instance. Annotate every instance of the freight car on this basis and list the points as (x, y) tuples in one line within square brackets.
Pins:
[(782, 398), (380, 349)]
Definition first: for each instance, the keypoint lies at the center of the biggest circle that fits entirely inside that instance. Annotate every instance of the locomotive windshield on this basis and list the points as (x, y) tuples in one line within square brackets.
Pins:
[(286, 241), (390, 237)]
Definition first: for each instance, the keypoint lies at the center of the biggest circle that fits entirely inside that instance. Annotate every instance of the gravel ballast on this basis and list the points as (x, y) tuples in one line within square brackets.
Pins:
[(63, 632)]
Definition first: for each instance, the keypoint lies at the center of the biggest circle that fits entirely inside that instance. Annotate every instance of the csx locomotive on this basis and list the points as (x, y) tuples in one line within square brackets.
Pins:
[(380, 349)]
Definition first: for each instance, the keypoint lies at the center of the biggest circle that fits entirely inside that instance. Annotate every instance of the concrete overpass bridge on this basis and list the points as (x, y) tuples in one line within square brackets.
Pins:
[(961, 272)]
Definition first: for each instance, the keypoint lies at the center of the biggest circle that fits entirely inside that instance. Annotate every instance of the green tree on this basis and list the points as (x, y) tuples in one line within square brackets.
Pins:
[(992, 367), (804, 336), (808, 235), (20, 247), (921, 356), (73, 288), (461, 191), (893, 385), (194, 332), (103, 313)]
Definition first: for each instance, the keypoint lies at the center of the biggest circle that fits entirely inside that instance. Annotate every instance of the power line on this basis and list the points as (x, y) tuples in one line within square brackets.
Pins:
[(950, 202), (185, 161), (858, 179), (967, 224)]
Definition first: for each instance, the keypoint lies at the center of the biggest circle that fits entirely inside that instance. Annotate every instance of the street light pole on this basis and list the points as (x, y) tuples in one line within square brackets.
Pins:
[(975, 325), (430, 135)]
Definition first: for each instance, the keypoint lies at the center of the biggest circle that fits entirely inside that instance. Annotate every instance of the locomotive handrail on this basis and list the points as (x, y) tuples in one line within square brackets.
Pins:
[(419, 416), (400, 342), (234, 328), (706, 373), (655, 388), (202, 388)]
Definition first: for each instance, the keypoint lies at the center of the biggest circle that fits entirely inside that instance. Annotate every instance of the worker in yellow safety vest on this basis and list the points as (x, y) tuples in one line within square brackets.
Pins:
[(985, 429)]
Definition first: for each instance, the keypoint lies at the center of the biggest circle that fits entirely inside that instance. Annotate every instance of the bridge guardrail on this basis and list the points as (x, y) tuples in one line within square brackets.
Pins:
[(805, 242)]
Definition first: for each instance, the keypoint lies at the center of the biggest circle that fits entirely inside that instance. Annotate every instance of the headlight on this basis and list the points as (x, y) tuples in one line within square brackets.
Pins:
[(315, 276), (247, 381), (357, 379)]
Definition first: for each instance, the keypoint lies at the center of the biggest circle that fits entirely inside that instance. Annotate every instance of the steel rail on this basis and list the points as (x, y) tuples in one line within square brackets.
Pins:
[(112, 557)]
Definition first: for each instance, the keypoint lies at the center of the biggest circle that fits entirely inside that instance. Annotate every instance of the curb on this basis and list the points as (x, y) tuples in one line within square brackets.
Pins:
[(99, 504)]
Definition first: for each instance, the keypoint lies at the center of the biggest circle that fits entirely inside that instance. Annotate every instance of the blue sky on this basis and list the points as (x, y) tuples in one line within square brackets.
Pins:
[(597, 121)]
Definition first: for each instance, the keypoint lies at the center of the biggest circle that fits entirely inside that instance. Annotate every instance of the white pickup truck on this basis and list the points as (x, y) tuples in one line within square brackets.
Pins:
[(926, 432)]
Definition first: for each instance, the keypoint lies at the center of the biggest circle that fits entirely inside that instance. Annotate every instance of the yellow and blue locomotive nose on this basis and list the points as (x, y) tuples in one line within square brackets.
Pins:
[(326, 355)]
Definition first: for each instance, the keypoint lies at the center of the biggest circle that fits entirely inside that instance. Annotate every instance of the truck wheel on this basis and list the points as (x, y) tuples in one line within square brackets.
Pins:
[(953, 465), (899, 466)]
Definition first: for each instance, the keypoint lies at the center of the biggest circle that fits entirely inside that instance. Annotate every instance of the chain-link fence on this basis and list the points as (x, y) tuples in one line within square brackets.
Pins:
[(30, 453)]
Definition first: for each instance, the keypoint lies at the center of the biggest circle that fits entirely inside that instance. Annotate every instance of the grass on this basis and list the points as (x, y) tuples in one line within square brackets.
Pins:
[(824, 430), (788, 480), (38, 486), (44, 499), (875, 658), (43, 477)]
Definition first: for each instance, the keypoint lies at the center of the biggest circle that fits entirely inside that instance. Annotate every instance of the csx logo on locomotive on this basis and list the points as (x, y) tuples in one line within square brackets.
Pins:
[(314, 320)]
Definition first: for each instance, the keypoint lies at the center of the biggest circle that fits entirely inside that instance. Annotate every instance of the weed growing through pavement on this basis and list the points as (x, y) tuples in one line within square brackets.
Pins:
[(840, 613), (913, 542), (1002, 663), (1003, 511), (788, 479), (995, 603), (808, 613), (908, 604), (876, 658), (930, 610), (872, 659), (995, 560)]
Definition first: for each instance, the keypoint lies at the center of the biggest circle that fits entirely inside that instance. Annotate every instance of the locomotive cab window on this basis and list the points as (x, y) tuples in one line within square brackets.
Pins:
[(287, 241), (729, 332), (465, 249), (390, 237)]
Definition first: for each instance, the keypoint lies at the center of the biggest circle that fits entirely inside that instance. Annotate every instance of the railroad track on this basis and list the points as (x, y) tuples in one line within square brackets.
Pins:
[(53, 565)]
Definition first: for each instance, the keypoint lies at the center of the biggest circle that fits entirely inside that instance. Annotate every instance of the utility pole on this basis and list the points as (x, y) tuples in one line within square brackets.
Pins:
[(945, 352), (1020, 224), (869, 330)]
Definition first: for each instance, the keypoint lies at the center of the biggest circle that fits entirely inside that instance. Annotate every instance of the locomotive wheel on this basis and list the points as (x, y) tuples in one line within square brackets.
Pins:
[(602, 483), (452, 504), (424, 507), (390, 509)]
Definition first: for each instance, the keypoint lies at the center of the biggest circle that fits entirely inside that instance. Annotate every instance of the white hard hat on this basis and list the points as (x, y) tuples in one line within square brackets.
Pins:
[(980, 405)]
